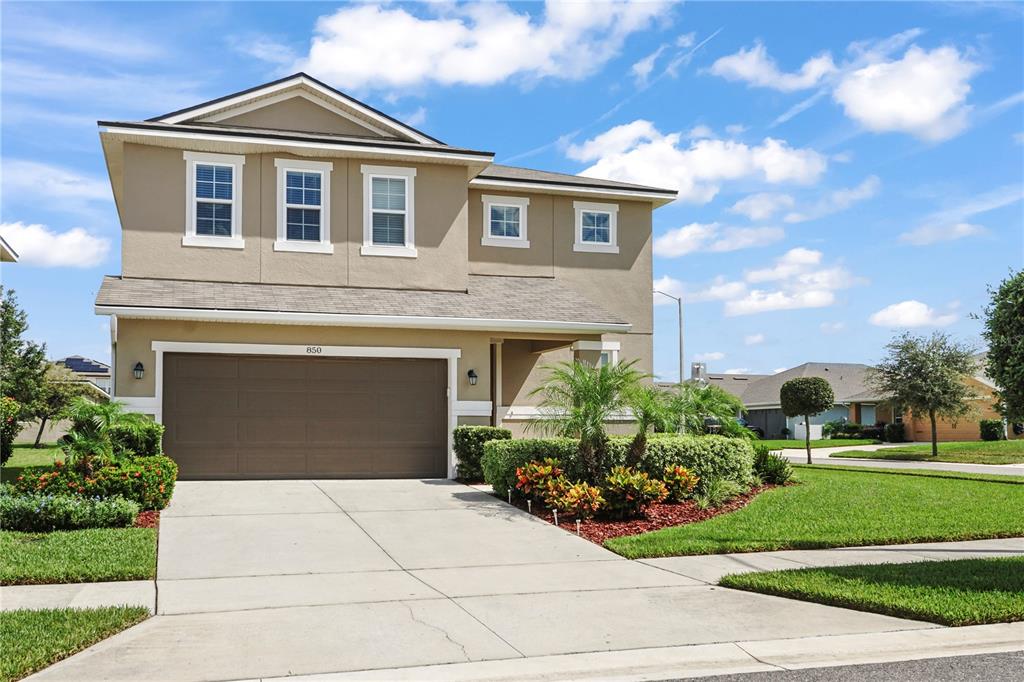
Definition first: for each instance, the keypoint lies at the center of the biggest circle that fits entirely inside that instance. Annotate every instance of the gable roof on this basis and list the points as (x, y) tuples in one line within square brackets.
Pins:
[(253, 94), (848, 381), (736, 384), (497, 175), (83, 365)]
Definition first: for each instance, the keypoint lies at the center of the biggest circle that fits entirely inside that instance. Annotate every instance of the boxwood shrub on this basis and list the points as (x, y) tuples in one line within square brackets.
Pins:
[(992, 429), (44, 512), (148, 481), (147, 443), (709, 457), (469, 448), (895, 433)]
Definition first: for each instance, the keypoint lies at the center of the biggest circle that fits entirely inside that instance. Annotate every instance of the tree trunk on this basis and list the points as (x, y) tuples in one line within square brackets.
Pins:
[(39, 434), (935, 434), (636, 449), (807, 436)]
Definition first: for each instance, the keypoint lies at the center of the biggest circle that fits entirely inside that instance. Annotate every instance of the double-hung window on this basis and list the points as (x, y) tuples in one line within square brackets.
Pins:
[(389, 225), (303, 206), (596, 227), (505, 221), (213, 209)]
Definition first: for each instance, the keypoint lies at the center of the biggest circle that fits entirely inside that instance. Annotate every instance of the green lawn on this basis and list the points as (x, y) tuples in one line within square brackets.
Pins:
[(959, 592), (25, 455), (73, 556), (33, 640), (833, 507), (800, 445), (975, 452)]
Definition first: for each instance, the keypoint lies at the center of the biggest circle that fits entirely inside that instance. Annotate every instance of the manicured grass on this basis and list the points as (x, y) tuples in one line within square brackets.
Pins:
[(33, 640), (958, 592), (25, 455), (828, 443), (981, 452), (845, 507), (74, 556)]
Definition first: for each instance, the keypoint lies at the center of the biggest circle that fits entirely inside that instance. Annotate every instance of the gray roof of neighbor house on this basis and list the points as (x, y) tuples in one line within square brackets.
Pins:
[(848, 381), (496, 302), (736, 384), (83, 365)]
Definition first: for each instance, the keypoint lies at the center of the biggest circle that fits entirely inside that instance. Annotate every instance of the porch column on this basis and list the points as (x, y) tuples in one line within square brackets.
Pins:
[(496, 417)]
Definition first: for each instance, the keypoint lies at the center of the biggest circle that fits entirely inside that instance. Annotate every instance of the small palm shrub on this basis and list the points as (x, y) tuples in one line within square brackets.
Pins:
[(533, 477), (627, 492), (103, 433), (43, 512), (679, 482), (770, 468)]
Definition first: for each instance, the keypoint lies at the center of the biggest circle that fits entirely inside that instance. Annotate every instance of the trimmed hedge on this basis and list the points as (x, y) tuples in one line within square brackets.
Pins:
[(895, 433), (148, 481), (42, 513), (708, 457), (992, 429), (469, 448), (148, 443)]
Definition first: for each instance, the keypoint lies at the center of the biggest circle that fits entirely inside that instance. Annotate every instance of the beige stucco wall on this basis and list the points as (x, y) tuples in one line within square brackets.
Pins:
[(299, 114), (153, 221)]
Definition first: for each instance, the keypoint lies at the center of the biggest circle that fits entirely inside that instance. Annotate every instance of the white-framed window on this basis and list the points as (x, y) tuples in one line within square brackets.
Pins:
[(213, 207), (505, 221), (389, 220), (596, 227), (303, 206)]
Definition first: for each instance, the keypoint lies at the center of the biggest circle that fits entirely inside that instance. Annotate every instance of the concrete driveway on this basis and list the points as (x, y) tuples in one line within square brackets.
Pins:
[(262, 579)]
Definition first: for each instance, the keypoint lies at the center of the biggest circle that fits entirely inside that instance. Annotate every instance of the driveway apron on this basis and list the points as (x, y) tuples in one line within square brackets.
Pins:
[(272, 578)]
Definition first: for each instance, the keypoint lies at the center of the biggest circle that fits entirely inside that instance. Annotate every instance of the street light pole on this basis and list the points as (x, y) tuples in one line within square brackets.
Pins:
[(682, 361)]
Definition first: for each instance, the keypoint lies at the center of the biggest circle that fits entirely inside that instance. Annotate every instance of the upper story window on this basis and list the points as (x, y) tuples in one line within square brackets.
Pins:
[(505, 221), (213, 214), (389, 225), (303, 206), (596, 227)]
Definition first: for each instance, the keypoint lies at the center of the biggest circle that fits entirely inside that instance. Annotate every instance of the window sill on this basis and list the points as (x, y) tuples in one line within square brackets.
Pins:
[(393, 251), (206, 241), (507, 242), (595, 248), (303, 247)]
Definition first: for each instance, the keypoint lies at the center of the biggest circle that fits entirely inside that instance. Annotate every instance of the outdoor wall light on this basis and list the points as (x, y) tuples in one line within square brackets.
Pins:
[(472, 377), (138, 370)]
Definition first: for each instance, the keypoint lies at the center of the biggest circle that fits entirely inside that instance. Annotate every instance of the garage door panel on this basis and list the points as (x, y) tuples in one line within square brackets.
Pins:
[(293, 417)]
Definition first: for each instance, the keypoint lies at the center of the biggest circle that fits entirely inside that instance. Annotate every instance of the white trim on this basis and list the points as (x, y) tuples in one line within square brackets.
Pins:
[(235, 162), (324, 168), (452, 356), (285, 96), (284, 85), (531, 412), (473, 408), (579, 207), (597, 345), (487, 183), (488, 239), (276, 144), (408, 175), (352, 320)]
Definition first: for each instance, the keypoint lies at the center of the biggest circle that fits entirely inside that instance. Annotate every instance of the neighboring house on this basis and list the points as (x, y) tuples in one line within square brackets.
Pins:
[(93, 371), (312, 288), (7, 254), (95, 374)]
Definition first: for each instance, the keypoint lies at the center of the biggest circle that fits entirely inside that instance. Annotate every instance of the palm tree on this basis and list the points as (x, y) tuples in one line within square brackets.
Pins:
[(577, 398), (692, 406), (650, 406), (91, 434)]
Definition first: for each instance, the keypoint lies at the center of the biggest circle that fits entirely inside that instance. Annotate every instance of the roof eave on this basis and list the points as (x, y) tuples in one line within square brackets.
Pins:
[(655, 196)]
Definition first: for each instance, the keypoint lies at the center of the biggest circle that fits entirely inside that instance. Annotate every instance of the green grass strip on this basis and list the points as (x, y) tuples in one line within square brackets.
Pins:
[(33, 640), (983, 452), (93, 555), (958, 592), (793, 444)]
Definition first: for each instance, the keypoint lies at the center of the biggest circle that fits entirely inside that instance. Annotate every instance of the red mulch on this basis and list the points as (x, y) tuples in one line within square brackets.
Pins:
[(147, 519), (658, 516)]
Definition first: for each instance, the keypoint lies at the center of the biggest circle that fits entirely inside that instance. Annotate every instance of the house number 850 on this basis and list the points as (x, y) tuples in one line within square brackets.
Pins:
[(313, 350)]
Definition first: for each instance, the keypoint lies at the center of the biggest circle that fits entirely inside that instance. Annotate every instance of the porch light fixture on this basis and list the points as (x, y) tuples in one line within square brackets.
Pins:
[(138, 370), (472, 377)]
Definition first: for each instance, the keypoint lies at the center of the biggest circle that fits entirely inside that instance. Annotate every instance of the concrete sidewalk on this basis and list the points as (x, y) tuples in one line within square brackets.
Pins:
[(798, 455), (79, 595)]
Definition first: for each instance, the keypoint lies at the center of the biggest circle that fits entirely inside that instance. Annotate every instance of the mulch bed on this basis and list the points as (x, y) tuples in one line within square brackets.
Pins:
[(662, 515), (147, 519)]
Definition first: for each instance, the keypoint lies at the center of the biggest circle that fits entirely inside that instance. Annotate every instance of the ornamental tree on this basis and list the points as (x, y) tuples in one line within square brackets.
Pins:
[(927, 375), (60, 386), (1004, 332), (23, 361), (806, 397)]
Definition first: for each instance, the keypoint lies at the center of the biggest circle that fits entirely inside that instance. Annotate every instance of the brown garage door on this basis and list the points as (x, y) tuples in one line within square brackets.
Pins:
[(246, 416)]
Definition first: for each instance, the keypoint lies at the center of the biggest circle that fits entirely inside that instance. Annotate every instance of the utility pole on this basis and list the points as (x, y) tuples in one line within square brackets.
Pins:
[(682, 360)]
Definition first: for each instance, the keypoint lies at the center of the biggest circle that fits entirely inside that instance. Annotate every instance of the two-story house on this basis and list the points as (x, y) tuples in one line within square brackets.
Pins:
[(311, 288)]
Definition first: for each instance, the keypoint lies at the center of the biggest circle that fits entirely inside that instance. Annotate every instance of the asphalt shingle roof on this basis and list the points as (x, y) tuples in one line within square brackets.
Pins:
[(487, 297), (516, 174), (848, 380)]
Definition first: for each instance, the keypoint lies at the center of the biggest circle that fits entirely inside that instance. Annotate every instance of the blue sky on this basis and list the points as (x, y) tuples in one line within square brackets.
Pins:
[(845, 169)]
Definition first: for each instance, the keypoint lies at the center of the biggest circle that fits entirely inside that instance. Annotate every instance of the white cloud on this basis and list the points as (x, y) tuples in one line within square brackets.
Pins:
[(790, 264), (414, 118), (837, 200), (686, 40), (929, 234), (34, 179), (756, 68), (843, 157), (832, 327), (735, 129), (699, 132), (93, 40), (714, 238), (761, 205), (910, 314), (923, 93), (387, 46), (719, 289), (642, 68), (757, 301), (639, 152), (753, 339), (799, 281), (706, 357), (263, 47), (39, 245), (737, 370)]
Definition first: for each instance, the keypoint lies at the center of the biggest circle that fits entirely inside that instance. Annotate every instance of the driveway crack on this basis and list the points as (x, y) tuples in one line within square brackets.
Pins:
[(447, 635)]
